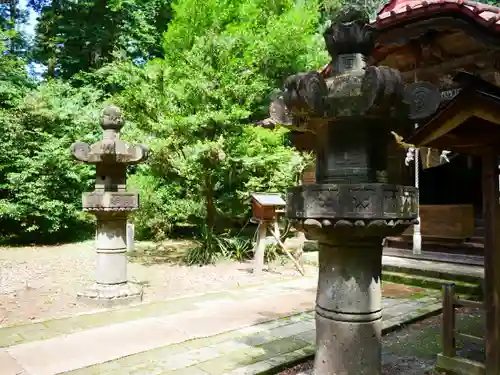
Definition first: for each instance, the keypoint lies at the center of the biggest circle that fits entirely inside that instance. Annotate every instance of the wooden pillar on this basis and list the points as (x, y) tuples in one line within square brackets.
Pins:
[(491, 261), (260, 247), (448, 320)]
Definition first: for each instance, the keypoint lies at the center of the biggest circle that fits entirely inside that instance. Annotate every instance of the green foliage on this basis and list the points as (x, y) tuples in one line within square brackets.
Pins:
[(78, 36), (40, 186), (164, 205), (238, 248), (207, 251), (195, 107), (191, 87), (192, 77), (212, 247), (271, 253), (490, 2)]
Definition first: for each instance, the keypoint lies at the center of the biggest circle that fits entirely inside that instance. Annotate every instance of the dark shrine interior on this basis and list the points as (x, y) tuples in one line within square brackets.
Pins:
[(456, 182)]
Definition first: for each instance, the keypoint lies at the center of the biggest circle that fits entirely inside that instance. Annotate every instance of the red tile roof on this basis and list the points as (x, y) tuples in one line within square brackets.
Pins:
[(398, 11)]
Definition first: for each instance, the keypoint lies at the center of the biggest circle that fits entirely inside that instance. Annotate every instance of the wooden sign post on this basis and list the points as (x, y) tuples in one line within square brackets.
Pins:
[(266, 209)]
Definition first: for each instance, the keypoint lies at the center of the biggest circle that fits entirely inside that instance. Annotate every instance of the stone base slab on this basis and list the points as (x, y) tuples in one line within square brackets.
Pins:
[(111, 295)]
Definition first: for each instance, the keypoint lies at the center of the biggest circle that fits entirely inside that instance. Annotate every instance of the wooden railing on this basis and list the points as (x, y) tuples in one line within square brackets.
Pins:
[(449, 360)]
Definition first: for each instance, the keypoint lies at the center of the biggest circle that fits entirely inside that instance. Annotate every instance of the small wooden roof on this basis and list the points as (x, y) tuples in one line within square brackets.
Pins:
[(268, 199), (469, 123)]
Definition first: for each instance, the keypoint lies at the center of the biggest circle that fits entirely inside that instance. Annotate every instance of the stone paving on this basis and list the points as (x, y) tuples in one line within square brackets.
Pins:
[(247, 330)]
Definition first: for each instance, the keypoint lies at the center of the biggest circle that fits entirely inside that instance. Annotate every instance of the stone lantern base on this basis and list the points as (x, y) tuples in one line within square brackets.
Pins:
[(111, 285), (105, 295), (349, 222)]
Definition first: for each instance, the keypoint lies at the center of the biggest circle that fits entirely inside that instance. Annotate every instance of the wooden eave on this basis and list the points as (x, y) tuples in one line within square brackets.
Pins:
[(463, 34), (402, 33), (401, 12), (468, 124)]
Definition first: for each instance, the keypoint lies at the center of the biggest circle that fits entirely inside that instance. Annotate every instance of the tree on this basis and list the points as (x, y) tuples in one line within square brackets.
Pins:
[(79, 36), (40, 185), (195, 106)]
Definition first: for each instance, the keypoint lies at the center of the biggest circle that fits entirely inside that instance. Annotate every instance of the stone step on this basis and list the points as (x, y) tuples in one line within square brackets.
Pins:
[(432, 274), (444, 257), (477, 239), (439, 270), (442, 245), (426, 273)]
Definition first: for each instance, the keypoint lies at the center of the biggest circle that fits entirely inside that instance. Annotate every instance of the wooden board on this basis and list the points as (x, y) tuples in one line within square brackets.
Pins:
[(309, 175), (446, 221)]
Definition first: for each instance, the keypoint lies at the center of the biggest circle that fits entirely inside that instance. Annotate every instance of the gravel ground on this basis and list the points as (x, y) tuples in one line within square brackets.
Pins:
[(413, 349), (41, 282)]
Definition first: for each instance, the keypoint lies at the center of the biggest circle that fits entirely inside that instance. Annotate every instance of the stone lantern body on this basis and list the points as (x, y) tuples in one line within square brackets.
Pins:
[(111, 203), (353, 204)]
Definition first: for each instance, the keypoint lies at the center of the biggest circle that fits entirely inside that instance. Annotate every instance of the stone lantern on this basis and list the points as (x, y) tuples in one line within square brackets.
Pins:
[(111, 204), (353, 204)]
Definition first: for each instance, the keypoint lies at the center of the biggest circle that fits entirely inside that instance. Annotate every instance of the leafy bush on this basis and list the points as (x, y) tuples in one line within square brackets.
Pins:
[(195, 107), (40, 185), (207, 251), (213, 247), (272, 253), (235, 247)]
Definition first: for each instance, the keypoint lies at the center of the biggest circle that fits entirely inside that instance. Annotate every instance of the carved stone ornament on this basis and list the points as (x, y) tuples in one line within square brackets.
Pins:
[(279, 113), (349, 33), (353, 202), (110, 201), (423, 99), (305, 93), (365, 210), (112, 119), (352, 93), (381, 86)]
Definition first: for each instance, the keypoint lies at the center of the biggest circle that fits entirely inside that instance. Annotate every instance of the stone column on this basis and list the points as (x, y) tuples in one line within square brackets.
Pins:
[(111, 249), (348, 307), (111, 204)]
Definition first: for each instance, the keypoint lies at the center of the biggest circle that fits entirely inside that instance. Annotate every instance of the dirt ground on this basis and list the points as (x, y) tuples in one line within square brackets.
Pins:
[(38, 283), (413, 349)]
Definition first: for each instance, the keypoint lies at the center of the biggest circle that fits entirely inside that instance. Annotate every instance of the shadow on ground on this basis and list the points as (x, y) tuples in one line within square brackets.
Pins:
[(151, 253), (413, 349)]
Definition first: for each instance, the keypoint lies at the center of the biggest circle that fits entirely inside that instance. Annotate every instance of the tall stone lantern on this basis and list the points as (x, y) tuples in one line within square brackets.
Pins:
[(353, 205), (111, 204)]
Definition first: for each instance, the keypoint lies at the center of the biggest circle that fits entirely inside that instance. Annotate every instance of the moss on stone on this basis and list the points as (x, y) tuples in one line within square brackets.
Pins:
[(461, 287)]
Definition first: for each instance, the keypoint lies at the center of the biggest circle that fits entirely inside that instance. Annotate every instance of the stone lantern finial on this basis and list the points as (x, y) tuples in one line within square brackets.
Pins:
[(350, 33), (112, 118)]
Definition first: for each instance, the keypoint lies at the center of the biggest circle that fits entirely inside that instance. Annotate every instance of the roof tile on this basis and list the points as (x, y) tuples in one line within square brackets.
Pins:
[(403, 10)]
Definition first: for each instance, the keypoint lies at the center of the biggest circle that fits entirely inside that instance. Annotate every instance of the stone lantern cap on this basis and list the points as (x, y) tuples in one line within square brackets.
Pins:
[(350, 88), (111, 149)]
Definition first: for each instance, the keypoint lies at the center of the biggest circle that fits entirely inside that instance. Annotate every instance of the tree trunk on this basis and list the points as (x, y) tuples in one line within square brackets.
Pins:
[(13, 20), (209, 201)]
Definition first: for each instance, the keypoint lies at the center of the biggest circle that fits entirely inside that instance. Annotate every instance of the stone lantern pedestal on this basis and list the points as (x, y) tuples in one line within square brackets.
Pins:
[(111, 204), (351, 107), (349, 300)]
